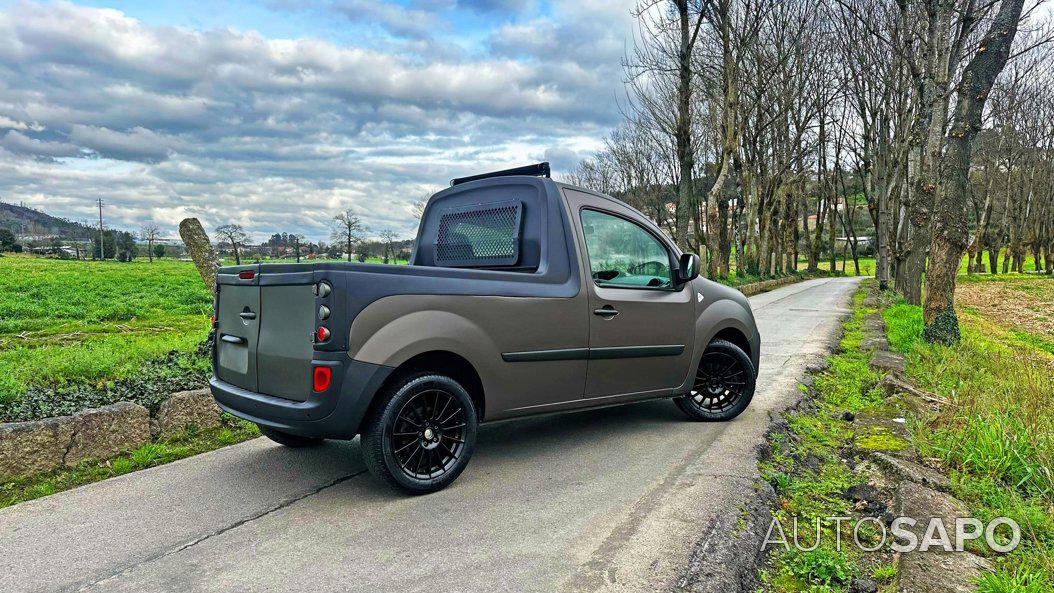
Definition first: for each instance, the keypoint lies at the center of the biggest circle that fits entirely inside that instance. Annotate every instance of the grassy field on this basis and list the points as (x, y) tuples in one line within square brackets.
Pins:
[(997, 436), (83, 322)]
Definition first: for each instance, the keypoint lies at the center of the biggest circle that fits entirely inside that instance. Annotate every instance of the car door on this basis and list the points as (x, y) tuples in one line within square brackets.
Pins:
[(641, 323)]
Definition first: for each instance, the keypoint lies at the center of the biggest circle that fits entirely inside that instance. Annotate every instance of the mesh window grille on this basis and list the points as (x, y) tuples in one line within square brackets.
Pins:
[(479, 235)]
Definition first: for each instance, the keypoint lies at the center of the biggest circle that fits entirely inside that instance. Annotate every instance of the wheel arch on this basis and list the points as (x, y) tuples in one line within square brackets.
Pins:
[(446, 363)]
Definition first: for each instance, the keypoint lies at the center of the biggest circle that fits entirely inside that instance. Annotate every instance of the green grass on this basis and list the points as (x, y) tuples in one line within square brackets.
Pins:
[(819, 433), (64, 322), (149, 455), (997, 437)]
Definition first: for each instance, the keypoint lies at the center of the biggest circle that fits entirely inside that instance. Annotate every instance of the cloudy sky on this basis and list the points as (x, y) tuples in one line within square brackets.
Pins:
[(275, 114)]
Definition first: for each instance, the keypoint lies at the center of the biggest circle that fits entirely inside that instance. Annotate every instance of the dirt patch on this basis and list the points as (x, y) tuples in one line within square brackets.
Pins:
[(1025, 305)]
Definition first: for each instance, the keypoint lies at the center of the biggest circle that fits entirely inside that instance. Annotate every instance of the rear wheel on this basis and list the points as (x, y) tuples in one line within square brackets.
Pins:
[(422, 434), (724, 384), (289, 440)]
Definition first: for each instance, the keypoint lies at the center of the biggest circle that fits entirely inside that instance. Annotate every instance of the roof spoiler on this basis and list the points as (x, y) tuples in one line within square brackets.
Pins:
[(537, 170)]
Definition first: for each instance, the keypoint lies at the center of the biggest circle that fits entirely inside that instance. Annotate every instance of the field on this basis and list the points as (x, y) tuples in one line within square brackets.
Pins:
[(80, 323), (997, 436)]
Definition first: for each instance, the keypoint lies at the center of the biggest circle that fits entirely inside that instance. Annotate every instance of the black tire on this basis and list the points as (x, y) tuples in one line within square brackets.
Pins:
[(724, 384), (421, 433), (289, 440)]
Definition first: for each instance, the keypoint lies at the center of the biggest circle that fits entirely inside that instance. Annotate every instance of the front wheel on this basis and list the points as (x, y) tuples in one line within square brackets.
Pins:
[(422, 434), (724, 384)]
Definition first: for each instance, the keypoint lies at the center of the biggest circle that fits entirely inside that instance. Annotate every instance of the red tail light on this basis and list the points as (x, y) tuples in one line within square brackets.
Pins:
[(322, 334), (322, 377), (246, 274), (214, 324)]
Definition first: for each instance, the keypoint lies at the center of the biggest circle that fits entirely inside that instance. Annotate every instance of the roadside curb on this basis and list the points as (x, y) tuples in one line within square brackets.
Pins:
[(39, 446)]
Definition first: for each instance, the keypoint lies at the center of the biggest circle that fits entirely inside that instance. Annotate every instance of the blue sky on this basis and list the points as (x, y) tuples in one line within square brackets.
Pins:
[(277, 114)]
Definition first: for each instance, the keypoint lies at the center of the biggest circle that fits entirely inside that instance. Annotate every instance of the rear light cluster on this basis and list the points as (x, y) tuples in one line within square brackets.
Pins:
[(322, 376), (322, 290), (246, 275)]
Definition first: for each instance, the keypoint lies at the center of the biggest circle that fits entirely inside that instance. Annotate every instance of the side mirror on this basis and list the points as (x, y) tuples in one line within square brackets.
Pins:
[(688, 268)]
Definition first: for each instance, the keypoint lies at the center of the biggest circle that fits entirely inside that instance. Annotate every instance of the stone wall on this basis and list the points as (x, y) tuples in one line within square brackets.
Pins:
[(767, 285), (99, 433)]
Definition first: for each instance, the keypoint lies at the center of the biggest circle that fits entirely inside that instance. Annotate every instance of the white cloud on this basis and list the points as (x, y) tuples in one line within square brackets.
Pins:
[(163, 122)]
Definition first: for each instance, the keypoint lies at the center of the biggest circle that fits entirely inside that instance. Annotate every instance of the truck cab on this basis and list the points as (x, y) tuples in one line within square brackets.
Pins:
[(523, 296)]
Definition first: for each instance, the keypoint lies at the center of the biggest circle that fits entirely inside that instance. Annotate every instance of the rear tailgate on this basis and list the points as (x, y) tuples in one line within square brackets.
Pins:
[(283, 357), (264, 333)]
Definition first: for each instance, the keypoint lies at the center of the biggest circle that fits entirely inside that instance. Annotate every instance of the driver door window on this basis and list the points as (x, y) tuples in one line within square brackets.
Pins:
[(624, 255)]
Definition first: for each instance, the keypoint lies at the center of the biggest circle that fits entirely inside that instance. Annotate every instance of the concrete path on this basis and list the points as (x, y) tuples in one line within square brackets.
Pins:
[(611, 499)]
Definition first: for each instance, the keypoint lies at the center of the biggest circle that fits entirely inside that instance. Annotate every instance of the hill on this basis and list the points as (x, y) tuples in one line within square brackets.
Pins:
[(27, 221)]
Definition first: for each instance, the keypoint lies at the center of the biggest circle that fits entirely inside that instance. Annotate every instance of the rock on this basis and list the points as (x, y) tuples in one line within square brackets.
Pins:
[(869, 500), (200, 250), (874, 325), (874, 343), (905, 470), (848, 416), (890, 362), (186, 409), (860, 585), (813, 463), (34, 446), (101, 433), (935, 570)]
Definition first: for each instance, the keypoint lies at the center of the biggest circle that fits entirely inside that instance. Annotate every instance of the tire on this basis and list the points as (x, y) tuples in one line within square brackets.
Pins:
[(421, 433), (289, 440), (724, 384)]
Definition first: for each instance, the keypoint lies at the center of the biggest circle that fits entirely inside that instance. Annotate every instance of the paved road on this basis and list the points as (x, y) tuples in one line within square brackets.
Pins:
[(611, 499)]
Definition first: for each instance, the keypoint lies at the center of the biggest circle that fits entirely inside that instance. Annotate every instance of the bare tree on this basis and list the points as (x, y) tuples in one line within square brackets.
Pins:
[(951, 234), (388, 238), (235, 235), (150, 234), (348, 230)]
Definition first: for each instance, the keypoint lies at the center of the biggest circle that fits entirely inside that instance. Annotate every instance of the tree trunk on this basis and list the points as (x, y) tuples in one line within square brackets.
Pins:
[(951, 234), (683, 129)]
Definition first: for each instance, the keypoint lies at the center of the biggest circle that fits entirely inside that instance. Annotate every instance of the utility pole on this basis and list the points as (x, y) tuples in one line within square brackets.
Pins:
[(102, 244)]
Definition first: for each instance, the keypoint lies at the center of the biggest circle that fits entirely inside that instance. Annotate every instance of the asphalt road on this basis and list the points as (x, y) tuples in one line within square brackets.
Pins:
[(610, 499)]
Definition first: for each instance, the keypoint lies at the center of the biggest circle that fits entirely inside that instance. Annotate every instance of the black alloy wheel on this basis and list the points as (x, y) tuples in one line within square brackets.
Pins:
[(429, 433), (724, 384), (422, 436)]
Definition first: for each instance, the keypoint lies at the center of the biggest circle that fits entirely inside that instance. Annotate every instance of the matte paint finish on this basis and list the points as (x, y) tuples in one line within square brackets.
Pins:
[(284, 354), (530, 335), (646, 317), (479, 329)]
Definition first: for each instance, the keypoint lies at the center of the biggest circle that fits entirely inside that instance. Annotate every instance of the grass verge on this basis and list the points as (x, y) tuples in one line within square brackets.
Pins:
[(996, 439), (190, 443), (809, 470)]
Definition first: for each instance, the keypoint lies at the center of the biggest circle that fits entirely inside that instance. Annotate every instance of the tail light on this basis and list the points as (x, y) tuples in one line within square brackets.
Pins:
[(214, 323), (322, 334), (246, 275), (322, 377)]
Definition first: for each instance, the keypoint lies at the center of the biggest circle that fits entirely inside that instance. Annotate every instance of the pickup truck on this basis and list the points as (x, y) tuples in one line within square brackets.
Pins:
[(523, 296)]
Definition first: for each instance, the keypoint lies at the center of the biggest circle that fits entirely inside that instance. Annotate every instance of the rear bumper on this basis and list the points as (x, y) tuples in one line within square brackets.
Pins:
[(333, 414)]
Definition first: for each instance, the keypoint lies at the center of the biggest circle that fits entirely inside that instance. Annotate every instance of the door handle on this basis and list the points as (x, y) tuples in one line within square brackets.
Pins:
[(233, 339), (247, 315), (607, 311)]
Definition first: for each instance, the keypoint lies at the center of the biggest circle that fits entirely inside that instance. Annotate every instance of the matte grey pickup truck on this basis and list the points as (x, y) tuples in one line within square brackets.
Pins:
[(524, 296)]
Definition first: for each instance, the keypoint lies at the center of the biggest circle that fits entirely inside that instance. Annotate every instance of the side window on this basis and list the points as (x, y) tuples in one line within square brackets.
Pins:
[(623, 254)]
